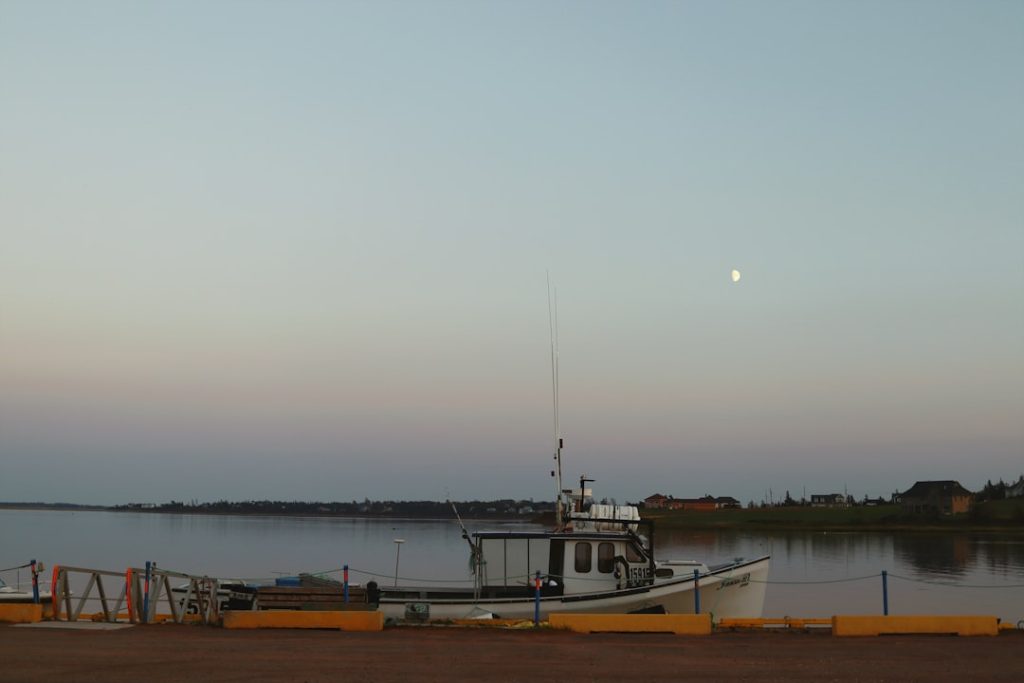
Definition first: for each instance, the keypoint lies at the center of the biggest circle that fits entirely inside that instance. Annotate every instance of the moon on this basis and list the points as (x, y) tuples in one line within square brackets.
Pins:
[(735, 275)]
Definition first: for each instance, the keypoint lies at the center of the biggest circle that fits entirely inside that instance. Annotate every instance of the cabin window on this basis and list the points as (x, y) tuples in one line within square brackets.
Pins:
[(510, 560), (605, 558), (582, 558), (632, 554)]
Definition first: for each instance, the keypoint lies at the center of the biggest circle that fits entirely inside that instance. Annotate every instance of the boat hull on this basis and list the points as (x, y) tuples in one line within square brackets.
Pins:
[(734, 591), (22, 597)]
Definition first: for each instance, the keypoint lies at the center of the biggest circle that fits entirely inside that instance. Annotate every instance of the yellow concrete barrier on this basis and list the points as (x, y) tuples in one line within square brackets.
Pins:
[(890, 625), (346, 621), (21, 613), (680, 624)]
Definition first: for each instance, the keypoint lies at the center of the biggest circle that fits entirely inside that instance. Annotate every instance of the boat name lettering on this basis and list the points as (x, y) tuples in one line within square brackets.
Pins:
[(734, 581)]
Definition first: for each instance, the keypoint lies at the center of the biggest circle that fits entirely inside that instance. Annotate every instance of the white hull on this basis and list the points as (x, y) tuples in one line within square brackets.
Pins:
[(736, 591), (20, 597)]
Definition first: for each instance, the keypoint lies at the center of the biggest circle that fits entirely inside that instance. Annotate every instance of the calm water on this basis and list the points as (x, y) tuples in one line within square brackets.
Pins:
[(941, 573)]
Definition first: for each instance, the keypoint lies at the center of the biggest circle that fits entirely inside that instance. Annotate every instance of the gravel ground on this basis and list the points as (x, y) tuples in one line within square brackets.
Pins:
[(171, 652)]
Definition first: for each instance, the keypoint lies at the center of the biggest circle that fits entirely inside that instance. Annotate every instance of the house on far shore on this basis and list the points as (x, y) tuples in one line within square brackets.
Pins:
[(829, 500), (945, 497), (656, 502)]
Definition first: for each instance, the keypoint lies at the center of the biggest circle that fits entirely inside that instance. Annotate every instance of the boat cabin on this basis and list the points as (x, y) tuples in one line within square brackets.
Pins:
[(596, 551), (569, 563)]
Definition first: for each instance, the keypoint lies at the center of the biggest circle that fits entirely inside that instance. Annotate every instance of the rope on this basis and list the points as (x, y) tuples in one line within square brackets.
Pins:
[(410, 578), (947, 584), (801, 583), (20, 566)]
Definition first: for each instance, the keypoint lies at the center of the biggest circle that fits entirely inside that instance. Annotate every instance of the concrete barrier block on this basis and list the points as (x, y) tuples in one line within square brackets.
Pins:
[(892, 625), (21, 613), (680, 624), (346, 621)]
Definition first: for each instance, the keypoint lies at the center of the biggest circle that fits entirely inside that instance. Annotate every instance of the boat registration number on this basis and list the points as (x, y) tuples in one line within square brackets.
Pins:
[(639, 576)]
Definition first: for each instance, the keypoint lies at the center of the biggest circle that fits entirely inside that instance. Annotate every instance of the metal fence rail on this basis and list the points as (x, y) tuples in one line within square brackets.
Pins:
[(68, 607), (139, 595), (150, 586)]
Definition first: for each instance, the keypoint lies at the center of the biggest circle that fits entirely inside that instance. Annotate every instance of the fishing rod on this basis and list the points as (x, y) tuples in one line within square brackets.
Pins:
[(465, 532)]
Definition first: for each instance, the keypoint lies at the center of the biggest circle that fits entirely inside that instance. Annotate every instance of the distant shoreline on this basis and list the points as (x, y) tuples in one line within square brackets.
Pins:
[(69, 507), (52, 506)]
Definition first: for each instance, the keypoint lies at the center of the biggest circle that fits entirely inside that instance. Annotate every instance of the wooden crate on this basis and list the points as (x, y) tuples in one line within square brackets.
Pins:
[(311, 598)]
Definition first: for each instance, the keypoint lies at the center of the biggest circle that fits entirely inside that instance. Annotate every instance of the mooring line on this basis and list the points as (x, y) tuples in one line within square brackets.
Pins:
[(947, 584), (411, 578), (800, 583)]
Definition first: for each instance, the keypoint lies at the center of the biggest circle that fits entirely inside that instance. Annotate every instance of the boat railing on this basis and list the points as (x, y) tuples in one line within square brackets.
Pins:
[(33, 568)]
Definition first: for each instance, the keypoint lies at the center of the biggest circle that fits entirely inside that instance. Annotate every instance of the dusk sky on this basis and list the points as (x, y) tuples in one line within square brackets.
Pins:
[(297, 250)]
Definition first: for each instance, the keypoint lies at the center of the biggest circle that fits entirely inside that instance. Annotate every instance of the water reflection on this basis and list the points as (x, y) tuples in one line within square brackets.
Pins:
[(836, 554), (938, 555), (1002, 555)]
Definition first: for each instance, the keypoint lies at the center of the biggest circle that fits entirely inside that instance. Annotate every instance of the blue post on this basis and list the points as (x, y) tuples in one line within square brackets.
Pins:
[(35, 583), (885, 592), (696, 591), (345, 584), (145, 595), (536, 600)]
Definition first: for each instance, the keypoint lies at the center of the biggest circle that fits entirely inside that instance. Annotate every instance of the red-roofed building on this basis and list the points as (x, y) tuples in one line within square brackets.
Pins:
[(656, 502)]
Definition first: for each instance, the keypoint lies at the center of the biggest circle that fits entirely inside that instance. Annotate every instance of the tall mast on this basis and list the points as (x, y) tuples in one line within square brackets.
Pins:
[(557, 472)]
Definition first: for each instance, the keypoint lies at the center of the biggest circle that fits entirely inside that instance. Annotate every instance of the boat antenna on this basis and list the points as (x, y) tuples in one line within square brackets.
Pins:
[(553, 334)]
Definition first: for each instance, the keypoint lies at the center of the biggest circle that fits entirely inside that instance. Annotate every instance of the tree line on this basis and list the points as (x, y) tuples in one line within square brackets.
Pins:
[(505, 507)]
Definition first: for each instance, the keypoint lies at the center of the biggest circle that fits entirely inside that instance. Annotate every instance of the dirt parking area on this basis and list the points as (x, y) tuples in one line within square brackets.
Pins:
[(194, 653)]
